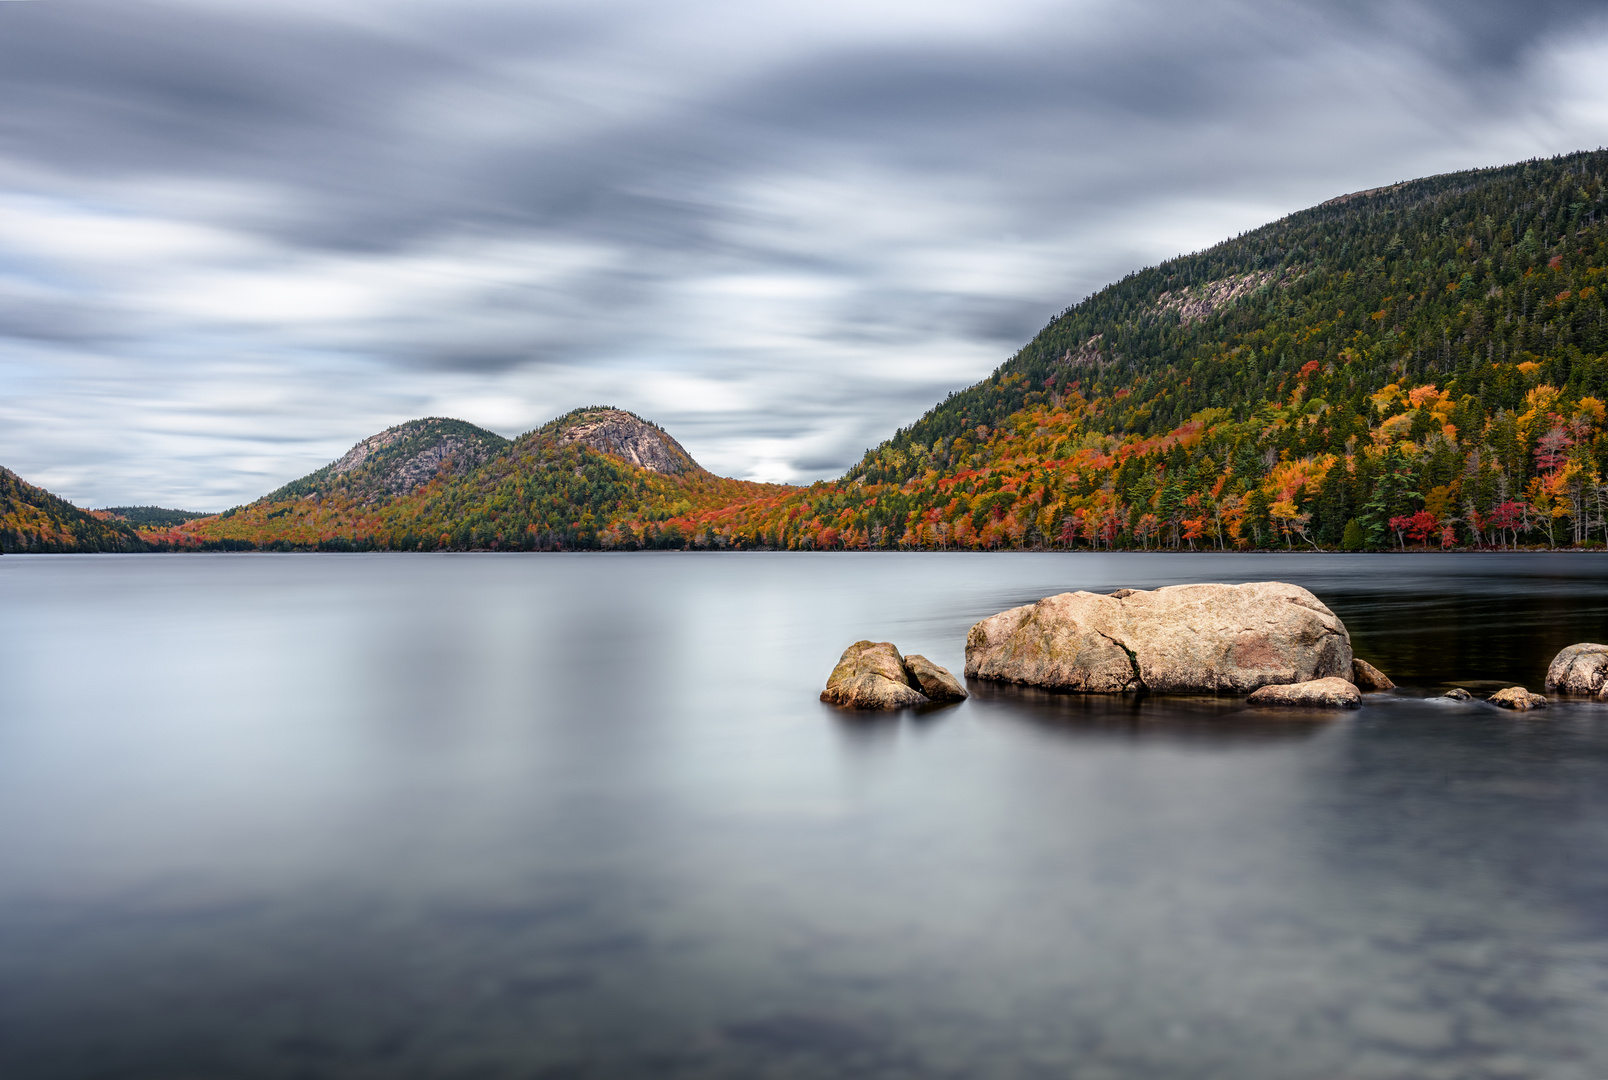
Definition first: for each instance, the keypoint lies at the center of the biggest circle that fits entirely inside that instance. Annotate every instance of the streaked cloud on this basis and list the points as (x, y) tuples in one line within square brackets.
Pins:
[(236, 237)]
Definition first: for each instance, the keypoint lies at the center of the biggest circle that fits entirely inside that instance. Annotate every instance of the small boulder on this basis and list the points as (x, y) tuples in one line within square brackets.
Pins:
[(934, 681), (1580, 669), (1368, 678), (871, 675), (1332, 693), (1517, 697), (1457, 693)]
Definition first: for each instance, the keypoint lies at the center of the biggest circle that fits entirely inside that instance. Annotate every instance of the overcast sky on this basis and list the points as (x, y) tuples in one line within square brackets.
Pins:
[(237, 236)]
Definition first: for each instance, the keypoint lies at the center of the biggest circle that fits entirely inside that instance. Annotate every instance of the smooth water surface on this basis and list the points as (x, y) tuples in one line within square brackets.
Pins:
[(548, 816)]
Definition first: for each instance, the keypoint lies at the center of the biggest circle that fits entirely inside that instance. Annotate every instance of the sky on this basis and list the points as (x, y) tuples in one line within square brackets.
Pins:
[(238, 236)]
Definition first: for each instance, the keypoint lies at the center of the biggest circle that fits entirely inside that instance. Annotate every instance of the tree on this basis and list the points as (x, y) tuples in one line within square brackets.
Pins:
[(1068, 533), (1355, 537), (1291, 521), (1146, 527), (1194, 529), (1399, 525), (1508, 517), (1394, 492), (1551, 450), (1257, 517), (1422, 524), (1334, 497)]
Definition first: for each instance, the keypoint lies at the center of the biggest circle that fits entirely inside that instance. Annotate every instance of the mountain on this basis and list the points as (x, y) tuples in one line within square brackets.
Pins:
[(1423, 362), (33, 520), (597, 477)]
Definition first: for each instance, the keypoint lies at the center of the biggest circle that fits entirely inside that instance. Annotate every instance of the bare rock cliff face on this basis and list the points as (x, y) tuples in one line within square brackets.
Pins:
[(613, 431), (408, 456), (360, 453)]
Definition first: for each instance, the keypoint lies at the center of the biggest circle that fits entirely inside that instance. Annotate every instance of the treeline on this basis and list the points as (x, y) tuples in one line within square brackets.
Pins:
[(143, 517)]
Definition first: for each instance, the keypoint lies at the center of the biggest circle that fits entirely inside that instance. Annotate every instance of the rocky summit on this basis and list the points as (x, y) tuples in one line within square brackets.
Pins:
[(408, 456), (628, 436), (398, 461), (1177, 639)]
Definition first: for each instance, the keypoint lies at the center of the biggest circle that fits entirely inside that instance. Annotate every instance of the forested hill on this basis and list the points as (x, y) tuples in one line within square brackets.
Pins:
[(1431, 279), (597, 477), (1421, 363), (34, 520)]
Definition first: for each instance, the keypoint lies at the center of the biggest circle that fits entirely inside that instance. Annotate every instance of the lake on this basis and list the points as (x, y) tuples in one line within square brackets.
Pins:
[(581, 816)]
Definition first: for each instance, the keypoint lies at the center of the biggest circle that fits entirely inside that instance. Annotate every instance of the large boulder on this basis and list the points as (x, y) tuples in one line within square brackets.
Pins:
[(933, 680), (1066, 642), (1176, 639), (1580, 669), (872, 675), (1330, 693)]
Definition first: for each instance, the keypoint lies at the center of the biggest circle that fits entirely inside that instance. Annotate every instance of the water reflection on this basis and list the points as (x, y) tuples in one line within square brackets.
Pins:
[(1195, 720)]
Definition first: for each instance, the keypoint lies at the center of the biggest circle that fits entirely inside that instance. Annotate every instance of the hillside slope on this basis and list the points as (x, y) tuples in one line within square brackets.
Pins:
[(595, 478), (397, 461), (33, 520), (1422, 363)]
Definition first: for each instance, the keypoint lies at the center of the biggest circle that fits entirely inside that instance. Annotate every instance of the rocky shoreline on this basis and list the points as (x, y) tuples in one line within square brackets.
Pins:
[(1273, 643)]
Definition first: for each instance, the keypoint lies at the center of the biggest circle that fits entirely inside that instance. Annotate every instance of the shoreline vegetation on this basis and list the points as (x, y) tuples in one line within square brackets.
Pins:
[(1422, 366)]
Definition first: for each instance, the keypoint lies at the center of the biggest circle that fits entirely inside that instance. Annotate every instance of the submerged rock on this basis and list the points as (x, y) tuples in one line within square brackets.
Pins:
[(1331, 693), (871, 675), (1517, 697), (1367, 677), (1176, 639), (1457, 693), (1580, 669), (934, 681)]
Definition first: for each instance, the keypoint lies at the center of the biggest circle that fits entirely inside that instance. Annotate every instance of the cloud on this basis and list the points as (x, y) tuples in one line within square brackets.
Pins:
[(236, 237)]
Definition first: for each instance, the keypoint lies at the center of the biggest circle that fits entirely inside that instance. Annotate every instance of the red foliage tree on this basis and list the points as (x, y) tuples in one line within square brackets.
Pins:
[(1507, 518), (1421, 525)]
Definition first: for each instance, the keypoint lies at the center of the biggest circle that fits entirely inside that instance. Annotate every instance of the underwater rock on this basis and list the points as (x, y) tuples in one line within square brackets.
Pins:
[(1517, 697), (1331, 693)]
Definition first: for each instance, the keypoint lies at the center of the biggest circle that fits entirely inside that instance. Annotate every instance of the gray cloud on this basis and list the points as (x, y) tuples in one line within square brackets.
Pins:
[(236, 237)]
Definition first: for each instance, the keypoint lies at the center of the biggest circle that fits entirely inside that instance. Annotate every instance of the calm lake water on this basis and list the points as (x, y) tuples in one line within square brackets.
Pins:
[(550, 816)]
